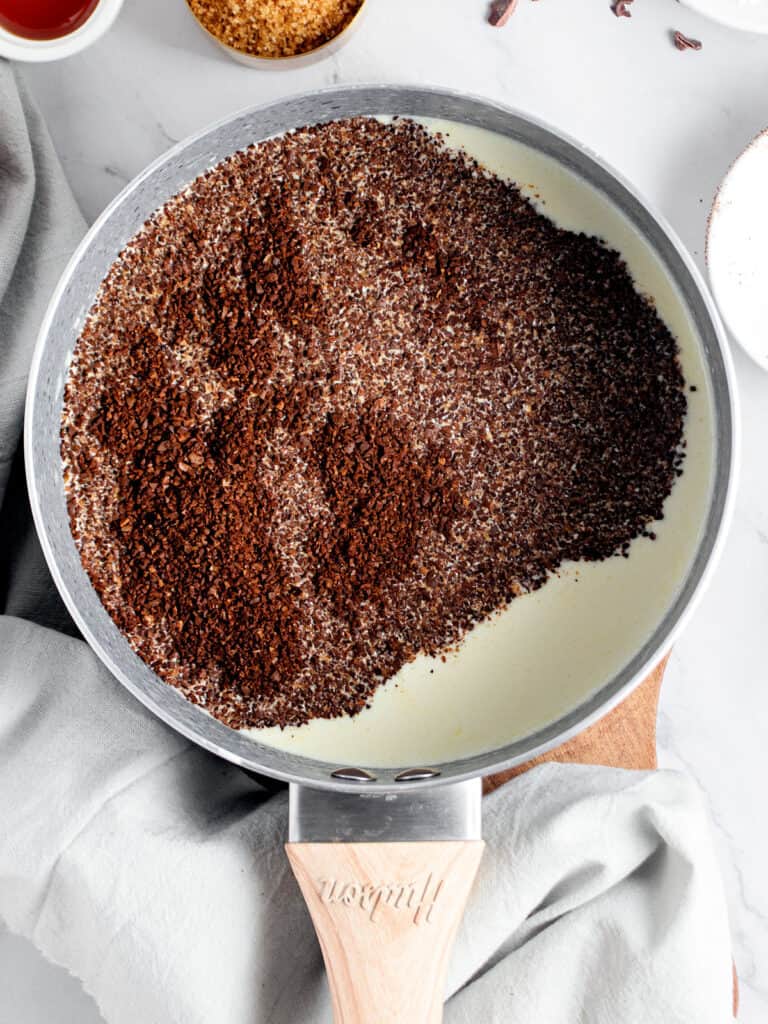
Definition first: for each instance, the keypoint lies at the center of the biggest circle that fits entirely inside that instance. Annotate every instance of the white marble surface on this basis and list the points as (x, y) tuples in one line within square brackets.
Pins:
[(672, 122)]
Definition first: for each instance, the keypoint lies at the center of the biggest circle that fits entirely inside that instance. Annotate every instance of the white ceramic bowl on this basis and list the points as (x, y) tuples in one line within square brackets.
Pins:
[(737, 249), (749, 15), (34, 50)]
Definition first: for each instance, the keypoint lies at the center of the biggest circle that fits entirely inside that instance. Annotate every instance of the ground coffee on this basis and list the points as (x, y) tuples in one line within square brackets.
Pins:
[(344, 397)]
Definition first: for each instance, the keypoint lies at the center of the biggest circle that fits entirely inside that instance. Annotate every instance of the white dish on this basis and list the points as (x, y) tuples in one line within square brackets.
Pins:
[(737, 249), (37, 50), (748, 15)]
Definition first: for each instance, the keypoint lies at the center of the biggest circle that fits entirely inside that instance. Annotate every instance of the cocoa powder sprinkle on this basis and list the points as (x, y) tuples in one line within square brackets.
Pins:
[(344, 397)]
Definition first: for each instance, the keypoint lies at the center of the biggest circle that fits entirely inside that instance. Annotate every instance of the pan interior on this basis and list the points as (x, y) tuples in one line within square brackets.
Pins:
[(530, 678), (548, 650)]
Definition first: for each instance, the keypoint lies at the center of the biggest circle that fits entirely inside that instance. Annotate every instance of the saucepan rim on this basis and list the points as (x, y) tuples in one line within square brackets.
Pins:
[(73, 297)]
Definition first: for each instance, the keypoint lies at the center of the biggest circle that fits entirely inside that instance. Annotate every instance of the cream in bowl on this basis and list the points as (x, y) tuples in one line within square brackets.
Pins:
[(737, 249)]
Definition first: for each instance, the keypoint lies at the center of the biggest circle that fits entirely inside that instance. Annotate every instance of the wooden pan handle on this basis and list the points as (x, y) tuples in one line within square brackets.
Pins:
[(386, 915)]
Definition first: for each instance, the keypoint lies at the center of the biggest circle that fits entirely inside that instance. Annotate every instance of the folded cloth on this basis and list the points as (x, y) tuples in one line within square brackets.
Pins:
[(155, 872)]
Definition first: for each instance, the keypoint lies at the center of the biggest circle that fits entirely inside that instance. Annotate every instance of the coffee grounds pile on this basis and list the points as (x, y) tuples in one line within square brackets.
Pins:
[(341, 399)]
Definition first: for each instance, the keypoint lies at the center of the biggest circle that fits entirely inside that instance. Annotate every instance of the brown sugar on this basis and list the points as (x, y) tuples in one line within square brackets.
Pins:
[(274, 28), (341, 399)]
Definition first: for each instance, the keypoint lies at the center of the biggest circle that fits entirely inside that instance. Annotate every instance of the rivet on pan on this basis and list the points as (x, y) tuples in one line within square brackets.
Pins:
[(416, 774), (353, 775)]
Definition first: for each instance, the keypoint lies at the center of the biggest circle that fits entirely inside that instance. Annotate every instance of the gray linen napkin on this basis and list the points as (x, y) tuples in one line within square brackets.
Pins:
[(155, 872), (40, 225)]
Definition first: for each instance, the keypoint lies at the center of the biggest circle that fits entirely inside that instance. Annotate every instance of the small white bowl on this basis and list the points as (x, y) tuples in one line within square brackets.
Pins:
[(737, 249), (34, 50), (747, 15)]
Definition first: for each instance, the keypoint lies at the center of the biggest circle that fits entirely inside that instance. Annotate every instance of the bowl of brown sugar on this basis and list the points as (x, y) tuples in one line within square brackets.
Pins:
[(278, 33)]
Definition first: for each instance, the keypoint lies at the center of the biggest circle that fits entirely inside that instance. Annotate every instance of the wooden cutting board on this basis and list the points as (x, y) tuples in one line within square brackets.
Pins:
[(624, 738)]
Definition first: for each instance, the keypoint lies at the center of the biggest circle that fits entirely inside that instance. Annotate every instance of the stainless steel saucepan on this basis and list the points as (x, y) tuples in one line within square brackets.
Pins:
[(385, 857)]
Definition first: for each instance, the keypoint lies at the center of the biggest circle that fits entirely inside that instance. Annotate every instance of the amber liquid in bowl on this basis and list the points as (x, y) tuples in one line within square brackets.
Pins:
[(44, 19)]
